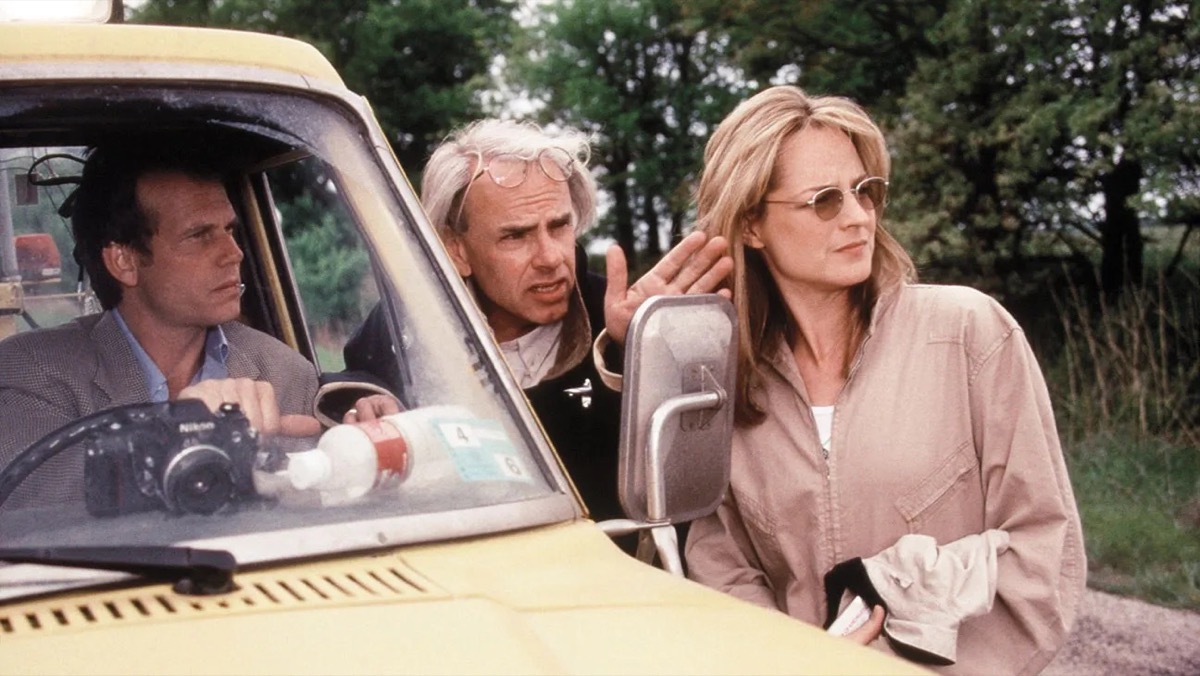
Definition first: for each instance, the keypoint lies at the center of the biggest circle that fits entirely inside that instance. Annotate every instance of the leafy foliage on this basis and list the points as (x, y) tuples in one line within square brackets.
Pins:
[(329, 266), (1042, 128), (422, 63), (863, 49), (649, 86)]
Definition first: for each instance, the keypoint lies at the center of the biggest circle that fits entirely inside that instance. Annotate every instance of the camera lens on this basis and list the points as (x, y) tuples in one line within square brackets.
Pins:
[(199, 480)]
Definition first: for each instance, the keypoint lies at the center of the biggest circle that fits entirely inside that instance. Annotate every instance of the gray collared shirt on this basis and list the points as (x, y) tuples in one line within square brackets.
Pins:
[(216, 351)]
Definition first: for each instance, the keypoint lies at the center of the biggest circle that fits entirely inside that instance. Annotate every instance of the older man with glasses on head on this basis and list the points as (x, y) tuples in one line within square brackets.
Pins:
[(510, 201)]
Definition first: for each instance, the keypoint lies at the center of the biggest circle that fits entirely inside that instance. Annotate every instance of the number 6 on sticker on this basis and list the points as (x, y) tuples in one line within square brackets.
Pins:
[(512, 467)]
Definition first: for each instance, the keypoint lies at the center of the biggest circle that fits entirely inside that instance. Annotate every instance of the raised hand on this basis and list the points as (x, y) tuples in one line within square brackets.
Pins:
[(695, 265)]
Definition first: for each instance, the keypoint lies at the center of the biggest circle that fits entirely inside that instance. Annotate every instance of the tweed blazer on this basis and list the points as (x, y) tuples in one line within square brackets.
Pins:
[(51, 377)]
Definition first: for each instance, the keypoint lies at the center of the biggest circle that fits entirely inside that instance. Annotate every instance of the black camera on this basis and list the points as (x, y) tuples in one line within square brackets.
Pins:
[(177, 456)]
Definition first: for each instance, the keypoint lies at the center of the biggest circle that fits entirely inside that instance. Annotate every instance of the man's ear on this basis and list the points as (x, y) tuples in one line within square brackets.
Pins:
[(456, 246), (121, 262)]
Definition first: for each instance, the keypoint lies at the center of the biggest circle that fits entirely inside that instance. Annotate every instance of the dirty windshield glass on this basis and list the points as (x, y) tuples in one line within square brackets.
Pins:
[(333, 271)]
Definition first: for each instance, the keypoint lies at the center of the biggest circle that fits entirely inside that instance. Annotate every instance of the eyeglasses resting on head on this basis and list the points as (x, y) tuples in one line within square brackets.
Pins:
[(871, 193), (509, 170)]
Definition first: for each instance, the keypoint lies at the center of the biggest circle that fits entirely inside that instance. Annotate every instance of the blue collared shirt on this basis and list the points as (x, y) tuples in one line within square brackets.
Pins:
[(216, 351)]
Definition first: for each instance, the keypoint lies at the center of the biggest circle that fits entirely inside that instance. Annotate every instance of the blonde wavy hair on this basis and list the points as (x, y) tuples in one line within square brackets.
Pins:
[(739, 169)]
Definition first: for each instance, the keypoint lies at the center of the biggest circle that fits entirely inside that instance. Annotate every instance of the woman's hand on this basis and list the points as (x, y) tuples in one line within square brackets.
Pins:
[(871, 629)]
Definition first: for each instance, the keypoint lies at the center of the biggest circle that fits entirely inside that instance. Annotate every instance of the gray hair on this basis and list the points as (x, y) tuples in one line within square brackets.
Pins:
[(452, 166)]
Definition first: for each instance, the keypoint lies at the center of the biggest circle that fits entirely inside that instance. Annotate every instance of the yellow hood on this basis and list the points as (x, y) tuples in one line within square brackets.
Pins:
[(560, 599)]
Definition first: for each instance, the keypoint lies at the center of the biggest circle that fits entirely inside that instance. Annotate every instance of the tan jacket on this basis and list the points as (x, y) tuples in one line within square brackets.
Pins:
[(944, 428)]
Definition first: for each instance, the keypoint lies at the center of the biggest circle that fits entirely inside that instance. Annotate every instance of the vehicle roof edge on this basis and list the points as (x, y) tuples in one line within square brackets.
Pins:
[(51, 42)]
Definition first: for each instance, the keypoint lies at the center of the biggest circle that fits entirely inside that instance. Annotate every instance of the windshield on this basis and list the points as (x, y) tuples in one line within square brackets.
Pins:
[(336, 265)]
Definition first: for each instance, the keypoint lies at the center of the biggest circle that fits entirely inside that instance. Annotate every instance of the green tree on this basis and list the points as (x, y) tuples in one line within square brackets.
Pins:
[(1079, 120), (329, 267), (422, 63), (863, 49), (649, 86)]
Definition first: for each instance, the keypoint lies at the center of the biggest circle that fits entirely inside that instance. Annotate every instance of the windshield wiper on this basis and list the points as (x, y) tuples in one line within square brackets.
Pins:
[(193, 571)]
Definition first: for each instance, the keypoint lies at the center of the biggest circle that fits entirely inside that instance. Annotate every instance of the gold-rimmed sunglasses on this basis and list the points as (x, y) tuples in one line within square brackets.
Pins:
[(509, 170), (871, 193)]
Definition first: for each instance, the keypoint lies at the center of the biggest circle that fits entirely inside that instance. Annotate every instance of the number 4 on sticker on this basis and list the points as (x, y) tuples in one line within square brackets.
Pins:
[(459, 435)]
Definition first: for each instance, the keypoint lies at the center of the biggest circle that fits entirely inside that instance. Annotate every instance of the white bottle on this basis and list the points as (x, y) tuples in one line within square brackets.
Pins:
[(352, 459), (430, 463)]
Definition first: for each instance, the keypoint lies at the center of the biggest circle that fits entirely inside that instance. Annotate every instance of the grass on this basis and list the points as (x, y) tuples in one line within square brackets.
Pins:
[(330, 357), (1126, 390), (1141, 517)]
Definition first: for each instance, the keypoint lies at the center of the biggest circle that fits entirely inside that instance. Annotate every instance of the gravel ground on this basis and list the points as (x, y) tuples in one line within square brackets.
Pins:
[(1120, 636)]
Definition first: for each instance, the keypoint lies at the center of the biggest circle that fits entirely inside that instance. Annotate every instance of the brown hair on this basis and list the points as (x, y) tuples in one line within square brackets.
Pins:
[(106, 209)]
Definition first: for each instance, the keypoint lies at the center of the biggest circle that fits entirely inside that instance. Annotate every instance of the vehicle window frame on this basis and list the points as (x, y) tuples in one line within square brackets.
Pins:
[(22, 123)]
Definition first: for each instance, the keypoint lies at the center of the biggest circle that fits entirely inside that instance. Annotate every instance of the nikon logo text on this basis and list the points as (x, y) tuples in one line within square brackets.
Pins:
[(190, 427)]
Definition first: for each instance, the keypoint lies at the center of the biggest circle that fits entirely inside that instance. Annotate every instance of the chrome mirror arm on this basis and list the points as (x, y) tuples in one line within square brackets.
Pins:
[(657, 536)]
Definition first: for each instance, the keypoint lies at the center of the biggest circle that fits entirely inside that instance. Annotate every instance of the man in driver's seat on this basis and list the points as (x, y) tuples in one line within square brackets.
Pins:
[(155, 232)]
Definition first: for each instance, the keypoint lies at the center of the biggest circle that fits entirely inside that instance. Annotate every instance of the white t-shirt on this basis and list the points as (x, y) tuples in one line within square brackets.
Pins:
[(824, 417)]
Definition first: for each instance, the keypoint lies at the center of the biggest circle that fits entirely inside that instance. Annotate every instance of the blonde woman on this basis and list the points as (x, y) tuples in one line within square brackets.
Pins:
[(894, 441)]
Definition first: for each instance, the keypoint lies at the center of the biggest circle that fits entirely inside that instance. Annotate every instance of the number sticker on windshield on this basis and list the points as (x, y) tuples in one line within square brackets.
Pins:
[(482, 451)]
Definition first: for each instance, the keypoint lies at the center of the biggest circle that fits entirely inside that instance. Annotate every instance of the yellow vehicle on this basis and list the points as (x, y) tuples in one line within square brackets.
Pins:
[(486, 564)]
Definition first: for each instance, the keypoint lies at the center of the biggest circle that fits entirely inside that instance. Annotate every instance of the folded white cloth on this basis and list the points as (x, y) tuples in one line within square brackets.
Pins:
[(929, 590)]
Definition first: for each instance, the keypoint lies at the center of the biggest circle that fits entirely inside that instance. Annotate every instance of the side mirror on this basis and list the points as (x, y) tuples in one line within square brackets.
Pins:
[(676, 418)]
